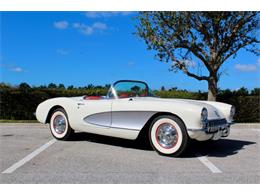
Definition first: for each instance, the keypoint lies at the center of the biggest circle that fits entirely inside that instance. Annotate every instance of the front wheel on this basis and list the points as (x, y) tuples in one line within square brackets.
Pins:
[(59, 125), (168, 136)]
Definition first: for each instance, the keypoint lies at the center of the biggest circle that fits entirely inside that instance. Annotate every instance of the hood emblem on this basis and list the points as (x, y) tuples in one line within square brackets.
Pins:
[(216, 112)]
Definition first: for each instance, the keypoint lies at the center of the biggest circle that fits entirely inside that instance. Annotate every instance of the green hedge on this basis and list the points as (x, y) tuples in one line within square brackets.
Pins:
[(247, 107), (19, 103)]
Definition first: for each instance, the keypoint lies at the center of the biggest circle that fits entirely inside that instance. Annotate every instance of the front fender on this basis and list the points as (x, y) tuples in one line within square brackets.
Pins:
[(45, 107), (42, 111)]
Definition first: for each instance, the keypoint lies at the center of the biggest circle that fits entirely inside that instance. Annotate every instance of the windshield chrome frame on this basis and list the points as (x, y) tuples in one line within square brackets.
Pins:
[(113, 91)]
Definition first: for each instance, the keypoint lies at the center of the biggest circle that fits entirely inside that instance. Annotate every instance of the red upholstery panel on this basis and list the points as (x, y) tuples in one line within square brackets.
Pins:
[(123, 95), (92, 97)]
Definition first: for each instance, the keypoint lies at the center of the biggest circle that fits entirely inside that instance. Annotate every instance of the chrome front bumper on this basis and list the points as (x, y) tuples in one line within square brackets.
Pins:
[(214, 129), (213, 126)]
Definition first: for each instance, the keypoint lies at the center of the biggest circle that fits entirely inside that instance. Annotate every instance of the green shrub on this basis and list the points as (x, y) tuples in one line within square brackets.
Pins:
[(19, 103), (247, 107)]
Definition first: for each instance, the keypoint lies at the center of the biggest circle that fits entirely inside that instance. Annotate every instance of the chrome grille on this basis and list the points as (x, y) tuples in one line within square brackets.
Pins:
[(216, 125)]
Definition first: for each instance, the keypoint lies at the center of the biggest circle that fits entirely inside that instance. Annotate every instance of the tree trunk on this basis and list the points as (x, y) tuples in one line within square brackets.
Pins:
[(212, 89)]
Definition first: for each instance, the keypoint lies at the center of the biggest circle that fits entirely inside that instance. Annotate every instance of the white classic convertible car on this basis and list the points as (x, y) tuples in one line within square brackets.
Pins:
[(129, 108)]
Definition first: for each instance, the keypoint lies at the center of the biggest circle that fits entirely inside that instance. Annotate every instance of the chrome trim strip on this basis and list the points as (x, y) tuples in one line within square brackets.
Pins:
[(101, 119), (114, 127), (132, 120)]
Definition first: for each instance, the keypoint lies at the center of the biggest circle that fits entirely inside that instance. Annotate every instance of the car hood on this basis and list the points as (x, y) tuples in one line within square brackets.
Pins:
[(213, 112)]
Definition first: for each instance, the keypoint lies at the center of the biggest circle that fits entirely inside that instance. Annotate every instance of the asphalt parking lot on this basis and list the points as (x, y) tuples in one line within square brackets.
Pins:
[(29, 154)]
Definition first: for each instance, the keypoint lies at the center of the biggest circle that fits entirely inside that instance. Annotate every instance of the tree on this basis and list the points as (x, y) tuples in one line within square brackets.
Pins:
[(52, 86), (61, 86), (71, 87), (255, 91), (42, 87), (162, 88), (24, 86), (5, 86), (135, 89), (90, 86), (107, 86), (242, 92), (209, 37)]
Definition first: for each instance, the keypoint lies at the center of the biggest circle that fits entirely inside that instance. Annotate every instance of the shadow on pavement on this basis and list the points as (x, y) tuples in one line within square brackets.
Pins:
[(135, 144), (220, 148)]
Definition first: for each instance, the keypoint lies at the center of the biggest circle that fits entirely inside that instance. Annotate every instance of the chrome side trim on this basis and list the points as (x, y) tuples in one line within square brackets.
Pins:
[(114, 127), (130, 119), (100, 119)]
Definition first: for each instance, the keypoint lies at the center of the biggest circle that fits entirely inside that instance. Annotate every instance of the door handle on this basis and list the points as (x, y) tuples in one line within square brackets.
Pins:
[(81, 104)]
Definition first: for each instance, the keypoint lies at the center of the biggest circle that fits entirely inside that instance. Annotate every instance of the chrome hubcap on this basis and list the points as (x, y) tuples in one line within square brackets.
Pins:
[(167, 135), (59, 124)]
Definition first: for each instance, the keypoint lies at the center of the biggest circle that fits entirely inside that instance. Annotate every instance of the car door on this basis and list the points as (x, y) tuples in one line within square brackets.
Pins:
[(130, 113), (93, 115)]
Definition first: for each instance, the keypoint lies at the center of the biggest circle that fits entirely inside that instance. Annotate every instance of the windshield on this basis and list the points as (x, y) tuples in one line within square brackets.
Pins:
[(126, 89)]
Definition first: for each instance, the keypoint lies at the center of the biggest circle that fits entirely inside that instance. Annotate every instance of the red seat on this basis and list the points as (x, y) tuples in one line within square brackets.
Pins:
[(123, 95), (92, 97)]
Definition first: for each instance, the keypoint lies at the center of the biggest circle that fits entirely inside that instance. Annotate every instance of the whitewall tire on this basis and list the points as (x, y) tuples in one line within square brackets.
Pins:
[(59, 125), (168, 135)]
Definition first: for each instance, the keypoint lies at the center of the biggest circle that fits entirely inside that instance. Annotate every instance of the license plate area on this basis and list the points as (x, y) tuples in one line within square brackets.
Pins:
[(214, 126)]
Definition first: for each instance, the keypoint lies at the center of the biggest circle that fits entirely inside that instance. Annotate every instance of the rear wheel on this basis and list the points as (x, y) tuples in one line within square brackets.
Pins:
[(59, 125), (168, 136)]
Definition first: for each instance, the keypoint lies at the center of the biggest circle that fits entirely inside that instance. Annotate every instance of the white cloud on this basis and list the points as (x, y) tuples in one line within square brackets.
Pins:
[(188, 63), (16, 69), (76, 25), (89, 30), (62, 51), (245, 67), (99, 25), (248, 67), (12, 68), (100, 14), (83, 28), (131, 63), (61, 25), (258, 62)]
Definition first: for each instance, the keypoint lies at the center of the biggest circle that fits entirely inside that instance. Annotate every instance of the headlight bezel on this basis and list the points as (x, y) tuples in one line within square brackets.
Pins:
[(204, 117), (232, 113)]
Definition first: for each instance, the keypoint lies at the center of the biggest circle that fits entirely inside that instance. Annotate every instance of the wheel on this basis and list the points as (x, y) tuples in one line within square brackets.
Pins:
[(59, 125), (168, 136)]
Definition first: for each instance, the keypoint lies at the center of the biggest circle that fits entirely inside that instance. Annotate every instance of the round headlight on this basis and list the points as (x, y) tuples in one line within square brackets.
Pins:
[(232, 112), (204, 114)]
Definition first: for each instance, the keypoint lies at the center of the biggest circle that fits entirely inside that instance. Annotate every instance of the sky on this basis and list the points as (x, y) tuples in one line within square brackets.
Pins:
[(81, 48)]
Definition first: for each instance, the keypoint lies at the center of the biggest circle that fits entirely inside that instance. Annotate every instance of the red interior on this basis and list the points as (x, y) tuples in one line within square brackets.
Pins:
[(92, 97), (123, 95)]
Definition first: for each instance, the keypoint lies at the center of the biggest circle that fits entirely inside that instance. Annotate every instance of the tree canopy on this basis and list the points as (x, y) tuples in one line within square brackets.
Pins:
[(211, 37)]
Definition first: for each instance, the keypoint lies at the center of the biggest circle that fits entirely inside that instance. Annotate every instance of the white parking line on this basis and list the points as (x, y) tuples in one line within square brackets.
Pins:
[(208, 164), (29, 157)]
